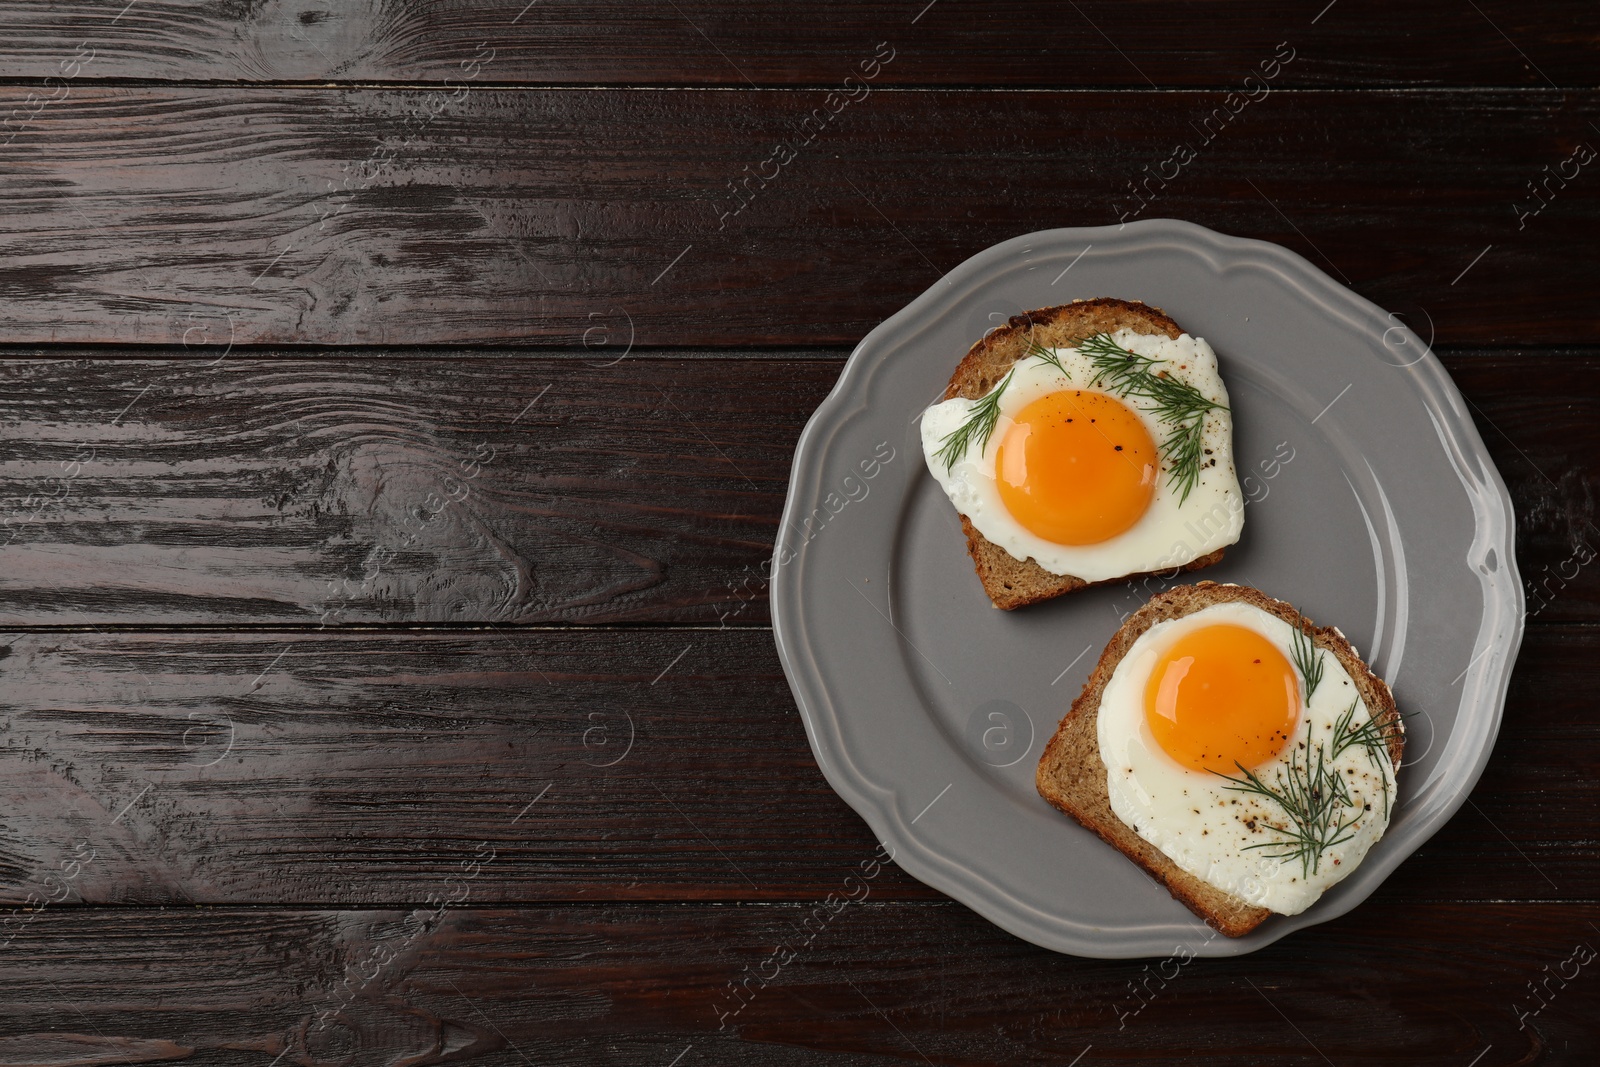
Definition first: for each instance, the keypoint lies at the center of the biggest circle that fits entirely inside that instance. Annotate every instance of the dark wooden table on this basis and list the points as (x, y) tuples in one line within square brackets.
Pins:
[(399, 398)]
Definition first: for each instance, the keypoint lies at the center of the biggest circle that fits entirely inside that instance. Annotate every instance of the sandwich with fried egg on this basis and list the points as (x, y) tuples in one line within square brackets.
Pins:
[(1084, 444), (1241, 755)]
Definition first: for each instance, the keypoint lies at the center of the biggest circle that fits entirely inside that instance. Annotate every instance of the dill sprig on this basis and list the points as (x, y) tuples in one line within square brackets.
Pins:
[(1311, 795), (1307, 659), (981, 420), (1373, 736), (1048, 355), (1175, 402), (985, 413)]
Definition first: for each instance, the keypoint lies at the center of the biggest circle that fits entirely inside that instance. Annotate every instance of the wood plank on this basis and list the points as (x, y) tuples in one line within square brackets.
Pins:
[(877, 983), (375, 216), (282, 490), (1533, 433), (443, 490), (720, 42), (365, 768)]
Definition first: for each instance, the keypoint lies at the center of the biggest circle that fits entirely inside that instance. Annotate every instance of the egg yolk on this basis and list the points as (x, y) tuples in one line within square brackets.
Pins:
[(1076, 468), (1222, 697)]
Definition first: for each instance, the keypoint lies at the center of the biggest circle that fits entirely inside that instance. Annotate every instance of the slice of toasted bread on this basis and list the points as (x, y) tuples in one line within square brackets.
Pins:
[(1072, 776), (1012, 583)]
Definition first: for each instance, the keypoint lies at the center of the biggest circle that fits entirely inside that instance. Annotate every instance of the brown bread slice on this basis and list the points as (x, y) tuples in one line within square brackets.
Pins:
[(1072, 776), (1012, 583)]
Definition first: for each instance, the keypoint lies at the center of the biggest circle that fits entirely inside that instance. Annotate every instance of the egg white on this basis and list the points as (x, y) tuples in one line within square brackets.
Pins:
[(1169, 534), (1193, 816)]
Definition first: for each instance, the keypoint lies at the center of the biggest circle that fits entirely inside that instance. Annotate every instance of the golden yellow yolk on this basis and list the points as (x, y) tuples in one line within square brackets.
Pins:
[(1222, 697), (1076, 468)]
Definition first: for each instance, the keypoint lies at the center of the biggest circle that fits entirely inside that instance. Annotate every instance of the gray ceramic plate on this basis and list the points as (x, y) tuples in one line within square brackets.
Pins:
[(1374, 507)]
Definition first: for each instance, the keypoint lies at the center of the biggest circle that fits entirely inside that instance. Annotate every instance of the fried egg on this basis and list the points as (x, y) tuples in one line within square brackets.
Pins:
[(1086, 478), (1204, 709)]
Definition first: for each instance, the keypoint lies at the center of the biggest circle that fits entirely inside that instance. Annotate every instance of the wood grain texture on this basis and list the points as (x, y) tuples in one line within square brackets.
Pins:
[(394, 486), (667, 765), (720, 42), (877, 983), (440, 490), (1533, 433), (326, 216)]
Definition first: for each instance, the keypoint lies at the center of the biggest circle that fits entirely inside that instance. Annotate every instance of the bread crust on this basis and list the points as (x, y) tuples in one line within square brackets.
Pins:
[(1012, 583), (1072, 777)]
